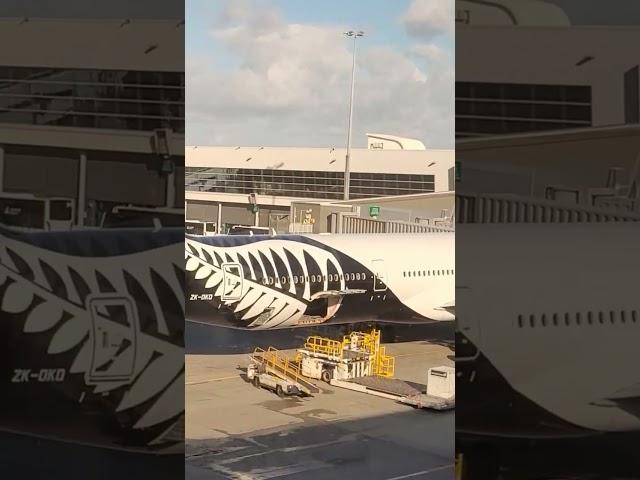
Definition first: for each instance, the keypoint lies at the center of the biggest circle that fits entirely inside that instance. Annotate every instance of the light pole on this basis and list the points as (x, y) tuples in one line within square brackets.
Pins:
[(347, 172)]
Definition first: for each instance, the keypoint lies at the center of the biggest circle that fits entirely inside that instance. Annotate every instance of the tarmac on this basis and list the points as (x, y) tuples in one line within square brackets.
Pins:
[(235, 431)]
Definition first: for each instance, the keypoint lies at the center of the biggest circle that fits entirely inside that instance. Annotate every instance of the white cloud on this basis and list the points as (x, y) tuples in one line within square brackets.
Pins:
[(288, 85), (429, 18), (430, 52)]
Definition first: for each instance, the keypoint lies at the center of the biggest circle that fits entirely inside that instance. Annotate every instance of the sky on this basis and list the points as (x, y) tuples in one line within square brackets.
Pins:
[(277, 72)]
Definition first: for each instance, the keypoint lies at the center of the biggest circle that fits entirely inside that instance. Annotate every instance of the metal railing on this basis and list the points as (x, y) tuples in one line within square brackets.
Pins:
[(514, 209), (281, 365), (324, 346), (343, 222)]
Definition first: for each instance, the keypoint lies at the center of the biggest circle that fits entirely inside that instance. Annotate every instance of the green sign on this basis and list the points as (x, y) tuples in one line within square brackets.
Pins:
[(374, 211), (458, 171)]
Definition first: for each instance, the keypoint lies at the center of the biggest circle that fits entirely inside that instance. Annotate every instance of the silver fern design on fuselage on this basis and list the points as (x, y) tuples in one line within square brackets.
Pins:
[(287, 281), (110, 326), (237, 278)]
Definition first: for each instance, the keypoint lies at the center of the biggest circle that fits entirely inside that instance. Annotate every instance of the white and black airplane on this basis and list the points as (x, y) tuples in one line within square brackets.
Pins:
[(548, 340), (284, 281), (92, 331)]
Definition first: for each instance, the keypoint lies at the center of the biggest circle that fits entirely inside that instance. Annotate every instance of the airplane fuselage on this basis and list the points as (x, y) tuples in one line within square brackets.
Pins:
[(548, 319), (288, 281), (94, 328)]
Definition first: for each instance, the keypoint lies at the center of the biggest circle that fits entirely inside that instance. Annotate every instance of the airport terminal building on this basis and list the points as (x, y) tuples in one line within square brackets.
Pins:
[(525, 68), (92, 117), (259, 185)]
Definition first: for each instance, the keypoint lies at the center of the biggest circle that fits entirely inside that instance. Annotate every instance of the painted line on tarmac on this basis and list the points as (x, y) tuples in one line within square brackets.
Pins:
[(423, 472), (220, 379), (430, 352)]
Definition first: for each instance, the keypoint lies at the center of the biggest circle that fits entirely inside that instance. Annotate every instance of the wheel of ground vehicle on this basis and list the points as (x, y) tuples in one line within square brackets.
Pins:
[(326, 375), (279, 391), (256, 381)]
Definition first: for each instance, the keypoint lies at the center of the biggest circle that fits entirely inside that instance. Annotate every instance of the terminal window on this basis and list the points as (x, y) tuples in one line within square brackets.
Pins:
[(503, 108), (113, 99), (308, 184)]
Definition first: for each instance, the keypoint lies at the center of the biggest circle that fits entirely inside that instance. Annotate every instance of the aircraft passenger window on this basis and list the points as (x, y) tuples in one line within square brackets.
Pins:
[(578, 318), (566, 319), (634, 316), (543, 320), (307, 279), (284, 280), (520, 322), (555, 319), (324, 278), (353, 276), (623, 316), (612, 316), (532, 321), (295, 279), (404, 274), (601, 317), (313, 278), (590, 318), (271, 281), (357, 276)]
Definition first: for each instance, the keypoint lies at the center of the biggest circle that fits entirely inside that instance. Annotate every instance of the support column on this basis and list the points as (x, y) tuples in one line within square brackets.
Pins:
[(1, 168), (170, 191), (82, 189)]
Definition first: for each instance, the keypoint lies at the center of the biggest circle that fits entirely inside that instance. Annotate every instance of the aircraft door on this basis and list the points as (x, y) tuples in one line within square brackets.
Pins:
[(379, 276), (233, 279), (114, 337)]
